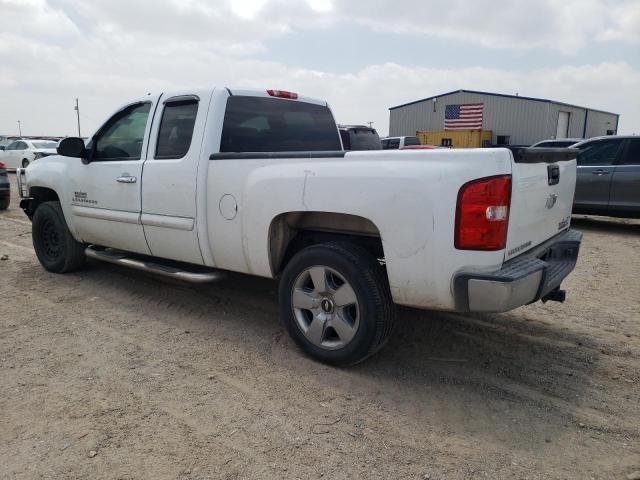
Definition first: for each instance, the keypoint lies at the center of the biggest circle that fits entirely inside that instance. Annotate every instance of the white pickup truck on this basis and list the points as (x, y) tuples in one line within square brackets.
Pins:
[(191, 184)]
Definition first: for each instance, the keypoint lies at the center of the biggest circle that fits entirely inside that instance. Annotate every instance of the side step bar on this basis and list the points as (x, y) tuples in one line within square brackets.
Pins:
[(126, 260)]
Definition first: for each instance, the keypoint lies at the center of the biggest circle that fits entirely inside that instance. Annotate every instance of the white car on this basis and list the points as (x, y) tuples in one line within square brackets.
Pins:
[(190, 184), (20, 153), (394, 143)]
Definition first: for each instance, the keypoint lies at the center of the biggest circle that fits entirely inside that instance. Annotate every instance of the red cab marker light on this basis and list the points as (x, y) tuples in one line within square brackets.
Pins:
[(282, 94)]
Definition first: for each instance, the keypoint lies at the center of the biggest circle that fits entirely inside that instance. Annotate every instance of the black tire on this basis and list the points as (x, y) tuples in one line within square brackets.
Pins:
[(4, 203), (25, 163), (55, 248), (374, 306)]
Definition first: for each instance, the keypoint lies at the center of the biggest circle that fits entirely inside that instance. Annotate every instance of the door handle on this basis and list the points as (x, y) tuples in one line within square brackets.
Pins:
[(126, 179), (600, 172)]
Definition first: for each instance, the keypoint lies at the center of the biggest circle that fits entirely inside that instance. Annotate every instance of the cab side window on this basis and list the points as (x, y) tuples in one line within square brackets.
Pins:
[(122, 136), (632, 155), (603, 152), (176, 129)]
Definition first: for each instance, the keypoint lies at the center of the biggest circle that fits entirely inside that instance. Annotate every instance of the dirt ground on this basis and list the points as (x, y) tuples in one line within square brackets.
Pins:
[(110, 373)]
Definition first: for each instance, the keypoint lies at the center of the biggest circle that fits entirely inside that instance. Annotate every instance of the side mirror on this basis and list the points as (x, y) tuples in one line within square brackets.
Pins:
[(1, 147), (72, 147)]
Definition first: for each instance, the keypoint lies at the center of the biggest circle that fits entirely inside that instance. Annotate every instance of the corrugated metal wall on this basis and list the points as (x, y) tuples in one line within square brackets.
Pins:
[(599, 122), (524, 121)]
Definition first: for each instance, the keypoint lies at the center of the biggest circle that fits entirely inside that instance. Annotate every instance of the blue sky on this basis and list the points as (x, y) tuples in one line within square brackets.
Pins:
[(362, 56)]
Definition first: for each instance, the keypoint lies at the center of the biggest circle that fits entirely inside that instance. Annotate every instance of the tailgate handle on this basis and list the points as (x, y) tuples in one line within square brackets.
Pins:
[(600, 172), (553, 174)]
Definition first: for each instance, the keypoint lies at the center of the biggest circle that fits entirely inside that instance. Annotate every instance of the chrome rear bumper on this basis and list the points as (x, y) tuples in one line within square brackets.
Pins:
[(527, 278)]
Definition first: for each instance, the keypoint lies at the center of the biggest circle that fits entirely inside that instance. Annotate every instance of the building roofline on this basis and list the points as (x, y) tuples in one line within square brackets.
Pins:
[(545, 100)]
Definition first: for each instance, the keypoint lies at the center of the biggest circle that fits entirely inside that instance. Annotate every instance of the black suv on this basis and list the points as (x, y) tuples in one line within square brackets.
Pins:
[(359, 137)]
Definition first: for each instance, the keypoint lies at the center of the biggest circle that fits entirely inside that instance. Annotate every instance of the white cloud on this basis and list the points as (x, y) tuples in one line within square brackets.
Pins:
[(105, 51), (561, 25)]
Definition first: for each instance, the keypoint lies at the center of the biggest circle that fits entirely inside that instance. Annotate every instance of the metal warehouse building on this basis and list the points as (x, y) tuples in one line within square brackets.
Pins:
[(510, 119)]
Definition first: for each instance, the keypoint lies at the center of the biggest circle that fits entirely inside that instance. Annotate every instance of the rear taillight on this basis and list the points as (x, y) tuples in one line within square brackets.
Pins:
[(2, 165), (482, 214), (283, 94)]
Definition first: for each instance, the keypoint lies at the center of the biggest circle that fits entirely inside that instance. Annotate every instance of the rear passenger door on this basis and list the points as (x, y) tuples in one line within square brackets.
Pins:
[(596, 164), (169, 177), (625, 184)]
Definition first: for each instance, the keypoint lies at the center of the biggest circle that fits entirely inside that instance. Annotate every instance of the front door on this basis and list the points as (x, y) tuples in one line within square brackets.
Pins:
[(106, 199), (596, 165)]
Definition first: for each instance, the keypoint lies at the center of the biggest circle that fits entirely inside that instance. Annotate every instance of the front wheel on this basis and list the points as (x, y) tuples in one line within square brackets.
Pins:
[(335, 303), (55, 248)]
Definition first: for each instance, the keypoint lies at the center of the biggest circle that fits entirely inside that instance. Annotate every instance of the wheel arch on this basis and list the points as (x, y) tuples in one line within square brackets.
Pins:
[(290, 232), (38, 195)]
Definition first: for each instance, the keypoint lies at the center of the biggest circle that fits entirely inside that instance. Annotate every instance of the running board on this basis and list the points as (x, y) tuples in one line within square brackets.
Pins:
[(127, 260)]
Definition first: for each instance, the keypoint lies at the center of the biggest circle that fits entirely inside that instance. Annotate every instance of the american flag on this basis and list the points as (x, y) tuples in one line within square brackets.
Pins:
[(466, 116)]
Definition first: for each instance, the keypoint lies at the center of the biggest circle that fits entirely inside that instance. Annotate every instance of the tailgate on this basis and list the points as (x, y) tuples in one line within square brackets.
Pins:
[(543, 184)]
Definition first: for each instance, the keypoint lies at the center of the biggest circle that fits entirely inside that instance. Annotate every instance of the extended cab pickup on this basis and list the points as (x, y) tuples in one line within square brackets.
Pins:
[(192, 184)]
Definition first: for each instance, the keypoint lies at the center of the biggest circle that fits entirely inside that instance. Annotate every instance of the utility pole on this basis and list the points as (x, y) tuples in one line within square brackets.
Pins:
[(370, 124), (19, 128), (77, 109)]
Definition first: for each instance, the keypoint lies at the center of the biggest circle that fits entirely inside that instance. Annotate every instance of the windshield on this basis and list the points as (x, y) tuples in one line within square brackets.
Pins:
[(411, 141), (49, 145)]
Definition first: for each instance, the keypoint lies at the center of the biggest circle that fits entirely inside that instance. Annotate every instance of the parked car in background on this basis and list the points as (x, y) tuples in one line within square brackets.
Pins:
[(393, 143), (6, 140), (359, 137), (5, 188), (557, 143), (20, 153), (608, 180)]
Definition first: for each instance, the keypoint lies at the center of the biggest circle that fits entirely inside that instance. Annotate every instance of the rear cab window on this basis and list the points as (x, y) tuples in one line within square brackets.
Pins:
[(260, 124)]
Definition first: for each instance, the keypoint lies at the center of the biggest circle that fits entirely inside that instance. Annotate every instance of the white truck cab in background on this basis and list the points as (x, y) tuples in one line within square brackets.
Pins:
[(191, 184)]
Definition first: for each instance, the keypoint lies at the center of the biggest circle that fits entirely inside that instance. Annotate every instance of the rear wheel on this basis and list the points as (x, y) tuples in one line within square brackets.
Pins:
[(55, 248), (4, 203), (25, 163), (335, 303)]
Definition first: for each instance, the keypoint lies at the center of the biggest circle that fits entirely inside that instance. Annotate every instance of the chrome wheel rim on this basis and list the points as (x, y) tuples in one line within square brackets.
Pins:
[(325, 307)]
